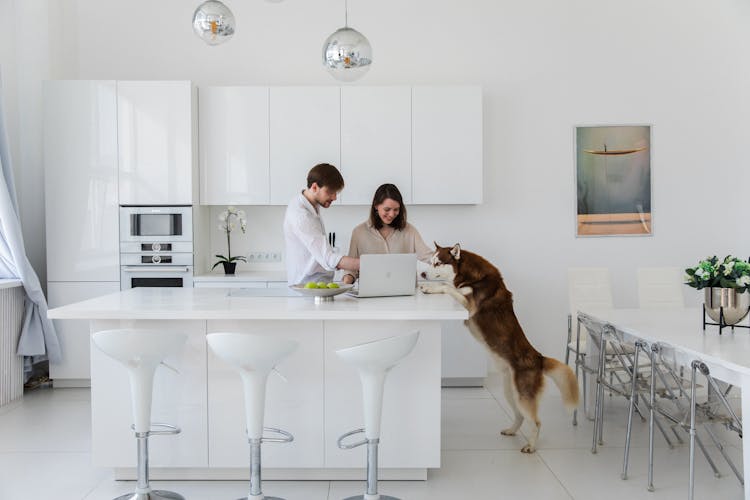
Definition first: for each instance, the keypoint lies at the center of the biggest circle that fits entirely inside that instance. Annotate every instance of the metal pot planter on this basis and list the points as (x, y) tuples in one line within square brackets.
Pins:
[(733, 305)]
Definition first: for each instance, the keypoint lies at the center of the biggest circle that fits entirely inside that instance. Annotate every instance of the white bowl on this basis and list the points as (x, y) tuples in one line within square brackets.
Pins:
[(320, 292)]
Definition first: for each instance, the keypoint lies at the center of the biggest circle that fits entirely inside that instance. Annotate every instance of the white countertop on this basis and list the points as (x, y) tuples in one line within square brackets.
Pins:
[(224, 303), (10, 283), (242, 276)]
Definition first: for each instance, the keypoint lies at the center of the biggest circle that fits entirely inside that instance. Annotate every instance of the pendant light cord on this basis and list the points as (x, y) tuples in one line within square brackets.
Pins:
[(346, 13)]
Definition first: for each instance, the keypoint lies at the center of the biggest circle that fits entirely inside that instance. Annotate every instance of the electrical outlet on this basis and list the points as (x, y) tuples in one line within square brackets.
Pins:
[(263, 256)]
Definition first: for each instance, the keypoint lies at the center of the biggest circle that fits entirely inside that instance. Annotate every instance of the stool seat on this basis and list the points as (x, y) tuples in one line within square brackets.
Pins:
[(254, 356), (379, 355), (141, 352), (373, 360)]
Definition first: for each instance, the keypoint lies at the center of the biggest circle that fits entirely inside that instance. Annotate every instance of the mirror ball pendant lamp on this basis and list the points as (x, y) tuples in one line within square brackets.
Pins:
[(213, 22), (347, 54)]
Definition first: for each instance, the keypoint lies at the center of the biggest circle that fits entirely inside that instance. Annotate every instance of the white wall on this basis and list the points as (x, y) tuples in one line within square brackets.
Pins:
[(545, 66)]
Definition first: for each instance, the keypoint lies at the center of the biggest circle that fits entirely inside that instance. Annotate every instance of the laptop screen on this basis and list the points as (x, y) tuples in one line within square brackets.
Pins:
[(385, 275)]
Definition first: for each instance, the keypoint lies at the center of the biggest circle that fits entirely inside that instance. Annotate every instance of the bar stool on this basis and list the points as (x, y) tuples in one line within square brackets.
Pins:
[(254, 356), (141, 351), (373, 361)]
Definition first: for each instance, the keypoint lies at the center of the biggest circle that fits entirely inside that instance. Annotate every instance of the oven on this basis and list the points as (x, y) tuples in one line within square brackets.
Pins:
[(156, 247), (156, 224)]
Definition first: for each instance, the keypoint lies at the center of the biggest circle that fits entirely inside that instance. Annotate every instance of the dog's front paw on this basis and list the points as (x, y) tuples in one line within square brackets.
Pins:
[(432, 287), (528, 449), (508, 432)]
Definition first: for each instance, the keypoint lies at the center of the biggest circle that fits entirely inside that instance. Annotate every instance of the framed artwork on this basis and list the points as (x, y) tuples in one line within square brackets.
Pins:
[(613, 180)]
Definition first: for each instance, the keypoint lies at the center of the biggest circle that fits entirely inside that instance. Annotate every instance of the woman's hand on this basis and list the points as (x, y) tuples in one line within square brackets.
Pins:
[(348, 279)]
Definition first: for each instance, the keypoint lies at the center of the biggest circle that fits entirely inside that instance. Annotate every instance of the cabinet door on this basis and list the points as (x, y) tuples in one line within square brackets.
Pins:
[(305, 131), (233, 123), (294, 405), (375, 141), (80, 176), (447, 145), (154, 132), (464, 360), (74, 334)]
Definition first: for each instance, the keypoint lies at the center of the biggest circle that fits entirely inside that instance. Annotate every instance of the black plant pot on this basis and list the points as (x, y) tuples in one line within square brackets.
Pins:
[(229, 267)]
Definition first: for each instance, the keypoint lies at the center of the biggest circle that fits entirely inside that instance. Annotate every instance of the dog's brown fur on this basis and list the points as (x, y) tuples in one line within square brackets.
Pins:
[(479, 286)]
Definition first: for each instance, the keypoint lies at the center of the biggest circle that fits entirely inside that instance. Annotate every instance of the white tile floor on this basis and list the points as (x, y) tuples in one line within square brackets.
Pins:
[(44, 454)]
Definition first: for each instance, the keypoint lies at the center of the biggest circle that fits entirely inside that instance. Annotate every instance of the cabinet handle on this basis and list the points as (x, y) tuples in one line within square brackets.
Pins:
[(155, 269)]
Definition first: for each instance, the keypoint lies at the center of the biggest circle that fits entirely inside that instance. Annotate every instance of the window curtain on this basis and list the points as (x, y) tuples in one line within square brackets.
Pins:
[(38, 336)]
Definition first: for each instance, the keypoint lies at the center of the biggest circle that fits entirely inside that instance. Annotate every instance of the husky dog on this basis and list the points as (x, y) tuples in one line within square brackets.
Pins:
[(478, 285)]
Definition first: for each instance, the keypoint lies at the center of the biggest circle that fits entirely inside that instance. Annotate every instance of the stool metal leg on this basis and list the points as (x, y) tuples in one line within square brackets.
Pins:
[(372, 475), (256, 492), (143, 490)]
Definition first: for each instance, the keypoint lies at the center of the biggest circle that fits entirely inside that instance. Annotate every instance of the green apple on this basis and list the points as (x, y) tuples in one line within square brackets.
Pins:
[(333, 285), (311, 284), (322, 284)]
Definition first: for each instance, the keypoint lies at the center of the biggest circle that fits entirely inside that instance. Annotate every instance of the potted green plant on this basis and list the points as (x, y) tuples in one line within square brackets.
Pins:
[(725, 284), (227, 225)]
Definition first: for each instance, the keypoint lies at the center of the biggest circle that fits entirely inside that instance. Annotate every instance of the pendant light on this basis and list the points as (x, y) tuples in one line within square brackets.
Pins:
[(347, 54), (213, 22)]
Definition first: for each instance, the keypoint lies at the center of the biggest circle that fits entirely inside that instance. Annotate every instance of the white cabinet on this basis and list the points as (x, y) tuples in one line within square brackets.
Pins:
[(80, 174), (81, 213), (447, 145), (375, 141), (75, 367), (464, 360), (234, 149), (154, 132), (257, 144), (178, 399), (294, 405), (305, 131)]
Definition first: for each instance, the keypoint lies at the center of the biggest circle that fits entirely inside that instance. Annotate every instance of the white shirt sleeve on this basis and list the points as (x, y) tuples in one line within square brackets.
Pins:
[(309, 257), (312, 235)]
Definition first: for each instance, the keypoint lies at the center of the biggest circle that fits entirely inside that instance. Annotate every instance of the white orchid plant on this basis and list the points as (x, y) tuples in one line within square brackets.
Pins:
[(227, 224), (711, 272)]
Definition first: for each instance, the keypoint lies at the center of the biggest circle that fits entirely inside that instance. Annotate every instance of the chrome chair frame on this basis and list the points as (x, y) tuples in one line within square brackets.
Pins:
[(734, 423)]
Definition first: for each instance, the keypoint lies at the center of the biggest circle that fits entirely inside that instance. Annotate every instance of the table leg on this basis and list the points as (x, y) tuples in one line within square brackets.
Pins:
[(745, 423)]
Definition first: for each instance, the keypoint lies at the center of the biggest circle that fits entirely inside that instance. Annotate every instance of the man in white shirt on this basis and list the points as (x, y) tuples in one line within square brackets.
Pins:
[(309, 256)]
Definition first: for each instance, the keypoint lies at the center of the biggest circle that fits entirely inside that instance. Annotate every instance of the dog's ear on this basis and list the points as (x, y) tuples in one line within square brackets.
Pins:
[(437, 247), (456, 251)]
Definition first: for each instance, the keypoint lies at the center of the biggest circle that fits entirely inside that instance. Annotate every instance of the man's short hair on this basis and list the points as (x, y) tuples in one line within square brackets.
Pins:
[(325, 175)]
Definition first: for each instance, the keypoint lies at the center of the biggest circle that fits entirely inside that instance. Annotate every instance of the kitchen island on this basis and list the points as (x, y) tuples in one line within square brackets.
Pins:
[(319, 400)]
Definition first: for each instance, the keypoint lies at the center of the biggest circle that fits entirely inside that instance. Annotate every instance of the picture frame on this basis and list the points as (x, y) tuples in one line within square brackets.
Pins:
[(613, 180)]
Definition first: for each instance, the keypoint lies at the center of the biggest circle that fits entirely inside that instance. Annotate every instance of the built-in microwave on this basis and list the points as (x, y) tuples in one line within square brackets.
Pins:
[(161, 224)]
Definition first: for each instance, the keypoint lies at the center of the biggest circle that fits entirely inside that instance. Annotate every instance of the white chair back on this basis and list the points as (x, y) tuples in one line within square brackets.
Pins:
[(660, 287), (589, 287)]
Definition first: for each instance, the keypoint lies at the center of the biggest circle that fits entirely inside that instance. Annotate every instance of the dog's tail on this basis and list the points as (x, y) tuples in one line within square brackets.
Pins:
[(564, 379)]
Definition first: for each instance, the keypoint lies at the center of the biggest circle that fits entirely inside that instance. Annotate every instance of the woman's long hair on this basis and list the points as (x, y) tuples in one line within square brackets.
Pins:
[(384, 192)]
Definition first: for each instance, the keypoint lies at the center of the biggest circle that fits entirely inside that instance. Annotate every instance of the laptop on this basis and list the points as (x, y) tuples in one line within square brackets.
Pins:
[(386, 275)]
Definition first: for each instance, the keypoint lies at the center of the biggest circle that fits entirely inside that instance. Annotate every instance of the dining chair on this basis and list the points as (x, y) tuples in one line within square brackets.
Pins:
[(588, 288), (660, 288), (716, 409)]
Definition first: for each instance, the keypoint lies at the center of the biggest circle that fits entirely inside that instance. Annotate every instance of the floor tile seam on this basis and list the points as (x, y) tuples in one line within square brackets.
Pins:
[(540, 456), (95, 487)]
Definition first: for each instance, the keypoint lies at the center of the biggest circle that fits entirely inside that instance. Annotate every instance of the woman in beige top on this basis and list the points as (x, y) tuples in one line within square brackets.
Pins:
[(386, 231)]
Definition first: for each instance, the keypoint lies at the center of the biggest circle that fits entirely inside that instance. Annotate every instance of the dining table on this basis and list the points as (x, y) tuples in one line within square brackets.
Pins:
[(725, 353)]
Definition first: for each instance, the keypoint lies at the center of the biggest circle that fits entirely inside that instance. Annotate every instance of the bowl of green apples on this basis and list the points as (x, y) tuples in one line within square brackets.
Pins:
[(321, 290)]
